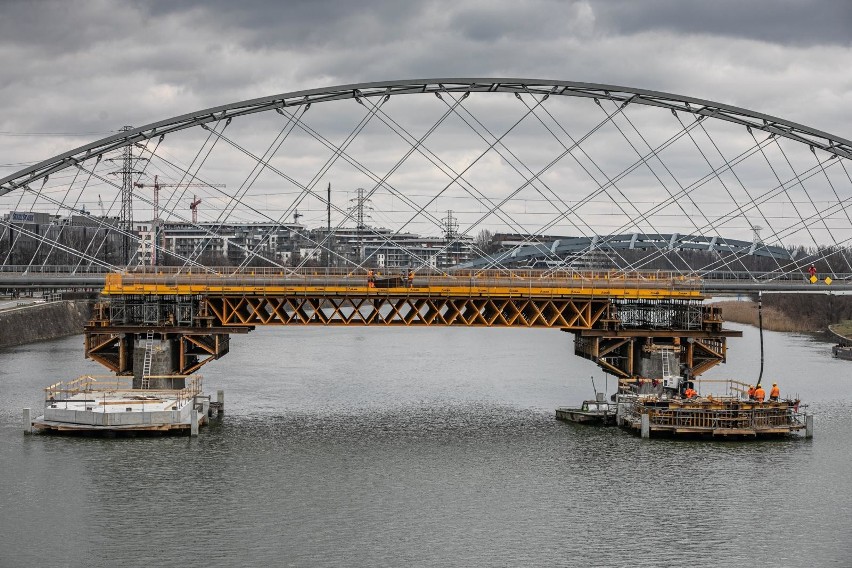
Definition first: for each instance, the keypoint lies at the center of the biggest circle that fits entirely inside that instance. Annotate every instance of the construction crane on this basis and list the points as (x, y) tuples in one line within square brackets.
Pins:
[(157, 185), (194, 208), (156, 221)]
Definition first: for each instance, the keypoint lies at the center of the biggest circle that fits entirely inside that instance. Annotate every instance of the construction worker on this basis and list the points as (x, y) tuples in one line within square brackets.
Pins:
[(775, 393), (751, 390), (759, 394), (690, 392), (812, 271), (370, 281), (410, 278)]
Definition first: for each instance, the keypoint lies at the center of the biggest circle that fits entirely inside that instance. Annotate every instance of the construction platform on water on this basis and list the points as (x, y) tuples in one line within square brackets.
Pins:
[(110, 405), (671, 407), (647, 408)]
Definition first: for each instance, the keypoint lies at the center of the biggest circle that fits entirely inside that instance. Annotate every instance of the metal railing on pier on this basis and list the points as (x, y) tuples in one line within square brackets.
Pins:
[(116, 385)]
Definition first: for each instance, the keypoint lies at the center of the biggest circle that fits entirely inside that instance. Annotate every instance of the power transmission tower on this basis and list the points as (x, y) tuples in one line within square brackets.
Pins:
[(451, 234), (361, 204), (125, 223), (326, 253), (127, 197), (451, 227)]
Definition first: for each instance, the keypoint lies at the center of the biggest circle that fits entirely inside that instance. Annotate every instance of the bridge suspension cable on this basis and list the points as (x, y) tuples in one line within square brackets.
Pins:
[(589, 161)]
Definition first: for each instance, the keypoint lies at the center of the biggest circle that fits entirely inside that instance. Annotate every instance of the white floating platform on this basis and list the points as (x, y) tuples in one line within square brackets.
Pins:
[(134, 410)]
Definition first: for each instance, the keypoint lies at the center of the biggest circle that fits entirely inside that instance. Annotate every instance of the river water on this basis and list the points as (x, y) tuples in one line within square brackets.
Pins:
[(423, 447)]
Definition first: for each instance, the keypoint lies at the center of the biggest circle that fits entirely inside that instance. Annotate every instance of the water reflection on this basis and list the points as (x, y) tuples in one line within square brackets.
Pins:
[(438, 447)]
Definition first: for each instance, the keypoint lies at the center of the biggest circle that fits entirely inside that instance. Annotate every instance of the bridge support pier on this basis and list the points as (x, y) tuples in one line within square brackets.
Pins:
[(164, 361), (193, 423), (646, 426)]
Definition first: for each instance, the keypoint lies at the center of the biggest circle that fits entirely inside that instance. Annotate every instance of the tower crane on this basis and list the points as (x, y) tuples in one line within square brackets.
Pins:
[(156, 221), (194, 208), (157, 185)]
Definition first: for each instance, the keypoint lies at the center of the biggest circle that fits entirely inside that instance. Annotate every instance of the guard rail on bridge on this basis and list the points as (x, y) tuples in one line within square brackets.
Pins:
[(69, 277)]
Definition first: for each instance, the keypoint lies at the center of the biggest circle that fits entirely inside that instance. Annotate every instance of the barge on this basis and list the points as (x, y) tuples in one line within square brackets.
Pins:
[(92, 405), (597, 412), (731, 415)]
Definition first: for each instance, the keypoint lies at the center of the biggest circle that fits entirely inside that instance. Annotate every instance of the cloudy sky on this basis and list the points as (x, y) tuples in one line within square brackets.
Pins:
[(76, 70)]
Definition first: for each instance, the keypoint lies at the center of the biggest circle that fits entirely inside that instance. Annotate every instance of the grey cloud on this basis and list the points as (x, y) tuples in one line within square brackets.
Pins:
[(799, 22)]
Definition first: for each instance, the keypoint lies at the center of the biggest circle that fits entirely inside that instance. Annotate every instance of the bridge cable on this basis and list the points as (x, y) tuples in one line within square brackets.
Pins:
[(110, 227), (671, 194), (534, 184), (375, 110), (813, 204), (236, 197), (543, 170), (696, 184), (787, 194), (448, 171), (601, 190), (736, 177)]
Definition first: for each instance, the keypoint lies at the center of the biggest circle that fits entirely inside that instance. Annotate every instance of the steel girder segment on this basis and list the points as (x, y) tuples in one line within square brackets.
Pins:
[(705, 353), (406, 310), (197, 350), (110, 350)]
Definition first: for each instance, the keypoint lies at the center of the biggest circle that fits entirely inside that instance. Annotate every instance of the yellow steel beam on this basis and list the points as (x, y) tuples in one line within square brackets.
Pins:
[(566, 288), (443, 292)]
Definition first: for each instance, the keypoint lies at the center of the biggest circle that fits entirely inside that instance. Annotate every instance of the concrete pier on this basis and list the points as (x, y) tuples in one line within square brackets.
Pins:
[(205, 407), (220, 400), (27, 421), (193, 423), (809, 426), (646, 426)]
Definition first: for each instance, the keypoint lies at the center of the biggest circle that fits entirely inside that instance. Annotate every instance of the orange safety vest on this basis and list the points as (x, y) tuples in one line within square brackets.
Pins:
[(775, 392), (751, 392), (760, 394)]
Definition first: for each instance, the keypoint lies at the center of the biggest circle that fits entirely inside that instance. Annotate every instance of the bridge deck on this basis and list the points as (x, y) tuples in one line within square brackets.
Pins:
[(322, 285)]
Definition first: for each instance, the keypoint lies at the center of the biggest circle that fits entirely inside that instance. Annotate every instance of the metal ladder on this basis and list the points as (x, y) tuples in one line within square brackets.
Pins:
[(149, 354), (667, 363)]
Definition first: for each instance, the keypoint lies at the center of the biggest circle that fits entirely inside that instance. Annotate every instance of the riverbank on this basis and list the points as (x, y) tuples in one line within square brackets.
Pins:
[(41, 321), (800, 313), (773, 318)]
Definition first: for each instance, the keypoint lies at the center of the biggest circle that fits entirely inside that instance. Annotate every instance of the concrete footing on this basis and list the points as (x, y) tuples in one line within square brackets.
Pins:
[(205, 407), (220, 400), (193, 423), (27, 421), (809, 426), (646, 426)]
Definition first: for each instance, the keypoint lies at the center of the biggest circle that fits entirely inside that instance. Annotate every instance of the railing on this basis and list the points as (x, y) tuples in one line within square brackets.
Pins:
[(53, 269), (109, 384), (733, 389), (735, 419), (517, 281), (561, 274), (756, 416)]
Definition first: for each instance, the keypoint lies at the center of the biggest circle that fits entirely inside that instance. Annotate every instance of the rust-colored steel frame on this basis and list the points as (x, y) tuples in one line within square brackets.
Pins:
[(602, 336), (617, 353), (249, 310), (113, 348)]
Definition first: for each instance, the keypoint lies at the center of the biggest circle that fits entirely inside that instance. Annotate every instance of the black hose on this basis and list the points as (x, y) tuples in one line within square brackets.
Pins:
[(760, 327)]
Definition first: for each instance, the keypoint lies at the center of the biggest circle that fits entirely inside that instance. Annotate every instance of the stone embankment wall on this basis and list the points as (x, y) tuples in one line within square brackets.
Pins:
[(43, 321)]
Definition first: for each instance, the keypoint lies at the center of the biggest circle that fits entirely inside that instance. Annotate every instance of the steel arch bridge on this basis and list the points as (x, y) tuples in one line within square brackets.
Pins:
[(692, 182)]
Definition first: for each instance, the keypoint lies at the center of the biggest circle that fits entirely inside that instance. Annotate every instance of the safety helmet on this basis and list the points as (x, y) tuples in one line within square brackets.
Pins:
[(774, 384)]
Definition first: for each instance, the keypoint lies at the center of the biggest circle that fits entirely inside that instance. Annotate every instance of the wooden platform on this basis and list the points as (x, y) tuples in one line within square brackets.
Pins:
[(714, 417)]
